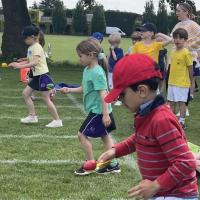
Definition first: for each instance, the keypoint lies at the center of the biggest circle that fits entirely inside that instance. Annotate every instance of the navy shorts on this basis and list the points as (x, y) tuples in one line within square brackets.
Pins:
[(196, 71), (93, 126), (40, 82)]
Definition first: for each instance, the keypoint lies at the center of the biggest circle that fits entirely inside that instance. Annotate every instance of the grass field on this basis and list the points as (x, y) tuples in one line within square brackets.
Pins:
[(38, 163)]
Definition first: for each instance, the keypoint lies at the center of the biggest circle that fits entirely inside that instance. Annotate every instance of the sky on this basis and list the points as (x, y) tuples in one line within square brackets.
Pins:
[(136, 6)]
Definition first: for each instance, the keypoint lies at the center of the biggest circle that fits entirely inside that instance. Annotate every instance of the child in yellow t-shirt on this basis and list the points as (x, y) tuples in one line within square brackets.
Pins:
[(181, 74), (149, 46)]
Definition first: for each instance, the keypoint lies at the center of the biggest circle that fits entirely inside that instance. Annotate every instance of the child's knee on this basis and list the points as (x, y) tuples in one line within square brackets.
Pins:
[(25, 94), (81, 137)]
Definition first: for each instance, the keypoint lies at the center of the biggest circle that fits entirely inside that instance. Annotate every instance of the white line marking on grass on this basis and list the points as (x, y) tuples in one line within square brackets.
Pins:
[(37, 98), (76, 103), (36, 106), (39, 136), (39, 162), (11, 90), (43, 118)]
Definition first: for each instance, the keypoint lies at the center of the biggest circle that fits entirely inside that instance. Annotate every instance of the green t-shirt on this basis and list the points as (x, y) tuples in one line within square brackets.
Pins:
[(94, 81)]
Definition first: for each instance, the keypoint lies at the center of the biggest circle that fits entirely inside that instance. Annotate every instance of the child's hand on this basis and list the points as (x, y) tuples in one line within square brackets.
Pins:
[(145, 190), (65, 90), (14, 65), (106, 120), (108, 155)]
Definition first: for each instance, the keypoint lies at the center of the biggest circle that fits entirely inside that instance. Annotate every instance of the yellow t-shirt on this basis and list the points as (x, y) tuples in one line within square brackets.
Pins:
[(152, 50), (179, 72), (37, 50)]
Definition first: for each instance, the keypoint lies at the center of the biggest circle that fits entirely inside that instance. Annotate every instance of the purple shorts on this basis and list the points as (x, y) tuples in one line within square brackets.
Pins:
[(40, 82), (93, 126)]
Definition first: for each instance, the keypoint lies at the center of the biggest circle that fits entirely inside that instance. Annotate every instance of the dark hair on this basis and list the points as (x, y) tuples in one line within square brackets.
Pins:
[(181, 32), (31, 30), (152, 83)]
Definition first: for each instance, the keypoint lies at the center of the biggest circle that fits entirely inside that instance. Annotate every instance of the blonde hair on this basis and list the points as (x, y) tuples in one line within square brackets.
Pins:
[(114, 38), (89, 46), (187, 8)]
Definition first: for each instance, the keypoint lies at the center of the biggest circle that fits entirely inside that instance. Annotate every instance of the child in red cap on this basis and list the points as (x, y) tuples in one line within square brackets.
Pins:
[(166, 164)]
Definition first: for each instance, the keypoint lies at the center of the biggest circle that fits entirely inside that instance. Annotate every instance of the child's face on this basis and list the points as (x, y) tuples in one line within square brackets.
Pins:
[(179, 42), (30, 40), (146, 34), (115, 43), (84, 59), (132, 100)]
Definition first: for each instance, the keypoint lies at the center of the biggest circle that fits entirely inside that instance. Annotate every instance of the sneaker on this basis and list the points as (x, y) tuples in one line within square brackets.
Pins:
[(29, 120), (55, 124), (109, 169), (187, 113), (118, 103), (82, 172)]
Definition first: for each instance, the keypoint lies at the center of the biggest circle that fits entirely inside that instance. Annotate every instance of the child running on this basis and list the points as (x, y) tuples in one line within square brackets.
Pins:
[(181, 74), (99, 122), (165, 162), (37, 62)]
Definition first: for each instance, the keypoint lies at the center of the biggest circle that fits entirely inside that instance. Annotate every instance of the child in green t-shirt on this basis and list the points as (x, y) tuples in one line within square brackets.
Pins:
[(99, 122)]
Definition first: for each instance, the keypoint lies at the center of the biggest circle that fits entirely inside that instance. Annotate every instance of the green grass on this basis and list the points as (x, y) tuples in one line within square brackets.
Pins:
[(63, 47), (29, 181)]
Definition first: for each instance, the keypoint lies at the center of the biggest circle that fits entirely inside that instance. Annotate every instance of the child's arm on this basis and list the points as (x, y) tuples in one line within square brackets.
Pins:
[(113, 53), (106, 118), (166, 38), (66, 90), (22, 65), (121, 149)]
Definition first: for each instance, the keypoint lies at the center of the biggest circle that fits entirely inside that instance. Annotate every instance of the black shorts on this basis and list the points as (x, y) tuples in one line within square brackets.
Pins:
[(40, 82), (94, 127), (30, 74)]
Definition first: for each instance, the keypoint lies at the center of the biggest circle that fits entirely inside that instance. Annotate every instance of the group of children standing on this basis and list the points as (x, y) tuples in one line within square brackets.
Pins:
[(166, 164)]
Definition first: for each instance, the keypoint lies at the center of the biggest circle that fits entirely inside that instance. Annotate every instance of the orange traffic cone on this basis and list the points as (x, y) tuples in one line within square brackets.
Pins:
[(24, 75)]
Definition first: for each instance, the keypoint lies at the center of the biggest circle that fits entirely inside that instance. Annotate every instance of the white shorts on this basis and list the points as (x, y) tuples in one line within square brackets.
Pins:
[(110, 80), (177, 94)]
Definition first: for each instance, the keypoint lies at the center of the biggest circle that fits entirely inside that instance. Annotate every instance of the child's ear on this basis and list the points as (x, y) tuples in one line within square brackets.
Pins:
[(143, 90)]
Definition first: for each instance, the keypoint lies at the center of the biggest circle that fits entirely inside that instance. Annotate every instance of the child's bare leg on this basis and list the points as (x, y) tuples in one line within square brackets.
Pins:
[(183, 108), (173, 106), (108, 142), (27, 98), (50, 105), (86, 145)]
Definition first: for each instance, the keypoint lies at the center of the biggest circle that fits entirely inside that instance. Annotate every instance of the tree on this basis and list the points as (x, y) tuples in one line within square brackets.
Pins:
[(44, 4), (35, 5), (173, 4), (16, 18), (149, 13), (88, 4), (98, 20), (59, 18), (162, 18), (79, 16)]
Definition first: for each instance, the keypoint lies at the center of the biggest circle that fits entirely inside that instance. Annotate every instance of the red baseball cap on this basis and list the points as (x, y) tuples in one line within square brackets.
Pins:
[(130, 70)]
